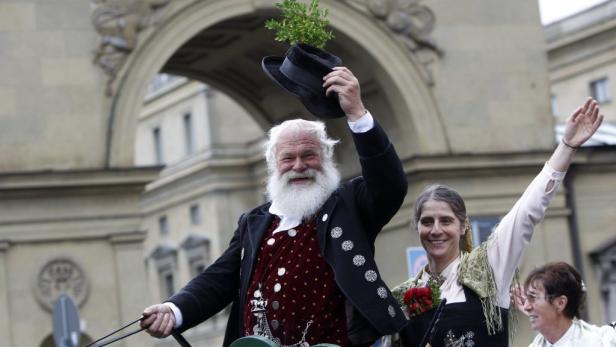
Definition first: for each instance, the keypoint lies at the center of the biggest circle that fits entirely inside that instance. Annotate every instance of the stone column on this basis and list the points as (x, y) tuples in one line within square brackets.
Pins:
[(5, 328), (133, 293)]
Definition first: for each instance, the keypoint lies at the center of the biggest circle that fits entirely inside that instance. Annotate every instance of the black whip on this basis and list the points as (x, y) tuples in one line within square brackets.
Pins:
[(176, 335), (115, 331)]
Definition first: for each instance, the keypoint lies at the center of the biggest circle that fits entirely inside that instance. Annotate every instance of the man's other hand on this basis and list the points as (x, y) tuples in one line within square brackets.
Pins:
[(158, 320)]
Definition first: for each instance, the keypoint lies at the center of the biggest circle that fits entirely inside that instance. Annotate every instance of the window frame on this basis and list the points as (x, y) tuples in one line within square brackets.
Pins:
[(600, 90)]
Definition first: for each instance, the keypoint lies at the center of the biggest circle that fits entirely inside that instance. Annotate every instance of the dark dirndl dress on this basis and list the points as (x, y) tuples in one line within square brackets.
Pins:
[(460, 324)]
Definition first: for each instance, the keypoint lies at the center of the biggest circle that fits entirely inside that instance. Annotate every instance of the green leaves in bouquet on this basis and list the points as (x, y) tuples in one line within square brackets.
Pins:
[(301, 23)]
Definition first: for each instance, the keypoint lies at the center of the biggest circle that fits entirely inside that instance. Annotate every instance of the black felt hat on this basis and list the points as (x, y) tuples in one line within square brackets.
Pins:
[(301, 72)]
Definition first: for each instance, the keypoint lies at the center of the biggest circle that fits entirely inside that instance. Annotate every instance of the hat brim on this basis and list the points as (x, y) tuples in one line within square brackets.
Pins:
[(316, 103)]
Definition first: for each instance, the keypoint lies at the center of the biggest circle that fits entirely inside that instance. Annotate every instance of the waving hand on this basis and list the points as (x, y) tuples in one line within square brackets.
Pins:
[(582, 124)]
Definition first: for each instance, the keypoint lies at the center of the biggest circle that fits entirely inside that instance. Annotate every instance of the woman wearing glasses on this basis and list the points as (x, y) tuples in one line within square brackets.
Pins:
[(553, 296)]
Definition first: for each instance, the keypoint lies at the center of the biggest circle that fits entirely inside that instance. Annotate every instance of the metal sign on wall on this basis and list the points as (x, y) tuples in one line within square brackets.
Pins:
[(65, 321)]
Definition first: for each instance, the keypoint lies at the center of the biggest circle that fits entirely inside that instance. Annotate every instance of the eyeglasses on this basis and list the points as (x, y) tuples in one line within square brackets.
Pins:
[(531, 298)]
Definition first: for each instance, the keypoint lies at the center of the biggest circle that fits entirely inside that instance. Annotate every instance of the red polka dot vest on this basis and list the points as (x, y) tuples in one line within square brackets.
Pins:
[(299, 287)]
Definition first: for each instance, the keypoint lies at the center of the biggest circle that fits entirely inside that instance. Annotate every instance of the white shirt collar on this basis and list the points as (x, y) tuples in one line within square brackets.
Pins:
[(286, 222), (451, 270), (450, 289), (567, 337), (449, 273)]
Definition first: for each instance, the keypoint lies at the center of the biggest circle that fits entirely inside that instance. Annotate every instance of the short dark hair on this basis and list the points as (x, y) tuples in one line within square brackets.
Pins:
[(560, 278)]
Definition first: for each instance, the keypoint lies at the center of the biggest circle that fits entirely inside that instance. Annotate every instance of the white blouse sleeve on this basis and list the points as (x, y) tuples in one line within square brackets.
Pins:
[(513, 233)]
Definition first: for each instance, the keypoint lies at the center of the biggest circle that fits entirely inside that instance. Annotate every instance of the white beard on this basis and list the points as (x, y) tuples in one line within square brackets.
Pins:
[(302, 201)]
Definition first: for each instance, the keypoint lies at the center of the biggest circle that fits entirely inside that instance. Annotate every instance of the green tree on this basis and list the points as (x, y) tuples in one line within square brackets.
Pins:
[(301, 24)]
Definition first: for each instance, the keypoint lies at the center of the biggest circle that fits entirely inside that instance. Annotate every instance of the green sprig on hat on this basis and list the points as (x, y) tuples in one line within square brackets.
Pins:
[(301, 23)]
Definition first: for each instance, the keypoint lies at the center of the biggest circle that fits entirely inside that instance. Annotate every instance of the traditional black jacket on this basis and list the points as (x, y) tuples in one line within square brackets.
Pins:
[(347, 226)]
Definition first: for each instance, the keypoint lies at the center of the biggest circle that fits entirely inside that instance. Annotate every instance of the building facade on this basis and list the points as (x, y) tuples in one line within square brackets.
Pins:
[(581, 52), (116, 192)]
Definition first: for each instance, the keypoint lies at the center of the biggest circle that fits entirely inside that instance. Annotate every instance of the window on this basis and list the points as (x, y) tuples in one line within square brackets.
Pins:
[(197, 248), (197, 265), (604, 263), (188, 134), (158, 146), (162, 83), (169, 284), (163, 226), (482, 228), (554, 105), (165, 261), (199, 268), (195, 215), (600, 90)]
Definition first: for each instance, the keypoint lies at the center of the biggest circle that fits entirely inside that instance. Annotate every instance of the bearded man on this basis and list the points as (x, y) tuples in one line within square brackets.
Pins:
[(304, 262)]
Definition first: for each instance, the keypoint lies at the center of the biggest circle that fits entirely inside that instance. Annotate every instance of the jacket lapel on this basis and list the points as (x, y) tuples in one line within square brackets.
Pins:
[(257, 225)]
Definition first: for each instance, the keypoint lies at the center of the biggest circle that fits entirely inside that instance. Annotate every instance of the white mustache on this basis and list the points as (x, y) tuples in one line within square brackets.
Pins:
[(303, 200), (291, 175)]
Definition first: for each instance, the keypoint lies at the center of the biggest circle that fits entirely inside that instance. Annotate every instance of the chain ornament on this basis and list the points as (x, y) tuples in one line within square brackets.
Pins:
[(262, 328)]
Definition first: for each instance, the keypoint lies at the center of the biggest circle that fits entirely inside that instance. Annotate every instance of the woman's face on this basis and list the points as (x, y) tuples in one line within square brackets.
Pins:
[(542, 313), (440, 231)]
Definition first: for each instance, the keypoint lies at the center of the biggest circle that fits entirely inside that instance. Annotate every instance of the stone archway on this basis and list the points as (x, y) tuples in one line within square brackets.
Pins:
[(388, 72)]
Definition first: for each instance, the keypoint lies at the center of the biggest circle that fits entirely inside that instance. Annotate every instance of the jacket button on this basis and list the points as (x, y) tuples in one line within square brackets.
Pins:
[(324, 217), (336, 232)]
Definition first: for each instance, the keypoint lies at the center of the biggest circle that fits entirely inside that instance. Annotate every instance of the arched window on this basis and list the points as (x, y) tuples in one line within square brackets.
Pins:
[(165, 260), (604, 259), (197, 248)]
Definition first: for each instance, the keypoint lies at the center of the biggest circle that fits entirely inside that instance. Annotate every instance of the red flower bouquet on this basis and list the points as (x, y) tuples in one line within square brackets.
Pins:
[(420, 299)]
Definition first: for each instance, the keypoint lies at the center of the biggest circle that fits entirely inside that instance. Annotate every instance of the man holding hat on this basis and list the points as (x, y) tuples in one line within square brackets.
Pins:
[(307, 256)]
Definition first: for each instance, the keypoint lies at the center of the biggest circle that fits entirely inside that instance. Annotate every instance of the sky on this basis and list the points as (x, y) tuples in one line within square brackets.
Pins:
[(553, 10)]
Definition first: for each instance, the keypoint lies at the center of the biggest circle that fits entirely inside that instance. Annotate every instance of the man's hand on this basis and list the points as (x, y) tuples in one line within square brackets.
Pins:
[(158, 321), (345, 84), (582, 124)]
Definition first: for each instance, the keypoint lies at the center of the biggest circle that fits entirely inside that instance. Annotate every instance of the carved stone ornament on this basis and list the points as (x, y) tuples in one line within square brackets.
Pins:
[(412, 23), (407, 18), (60, 276), (118, 22)]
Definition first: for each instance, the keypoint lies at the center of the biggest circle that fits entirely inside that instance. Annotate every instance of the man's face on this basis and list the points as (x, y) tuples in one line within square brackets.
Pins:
[(304, 178), (298, 152)]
